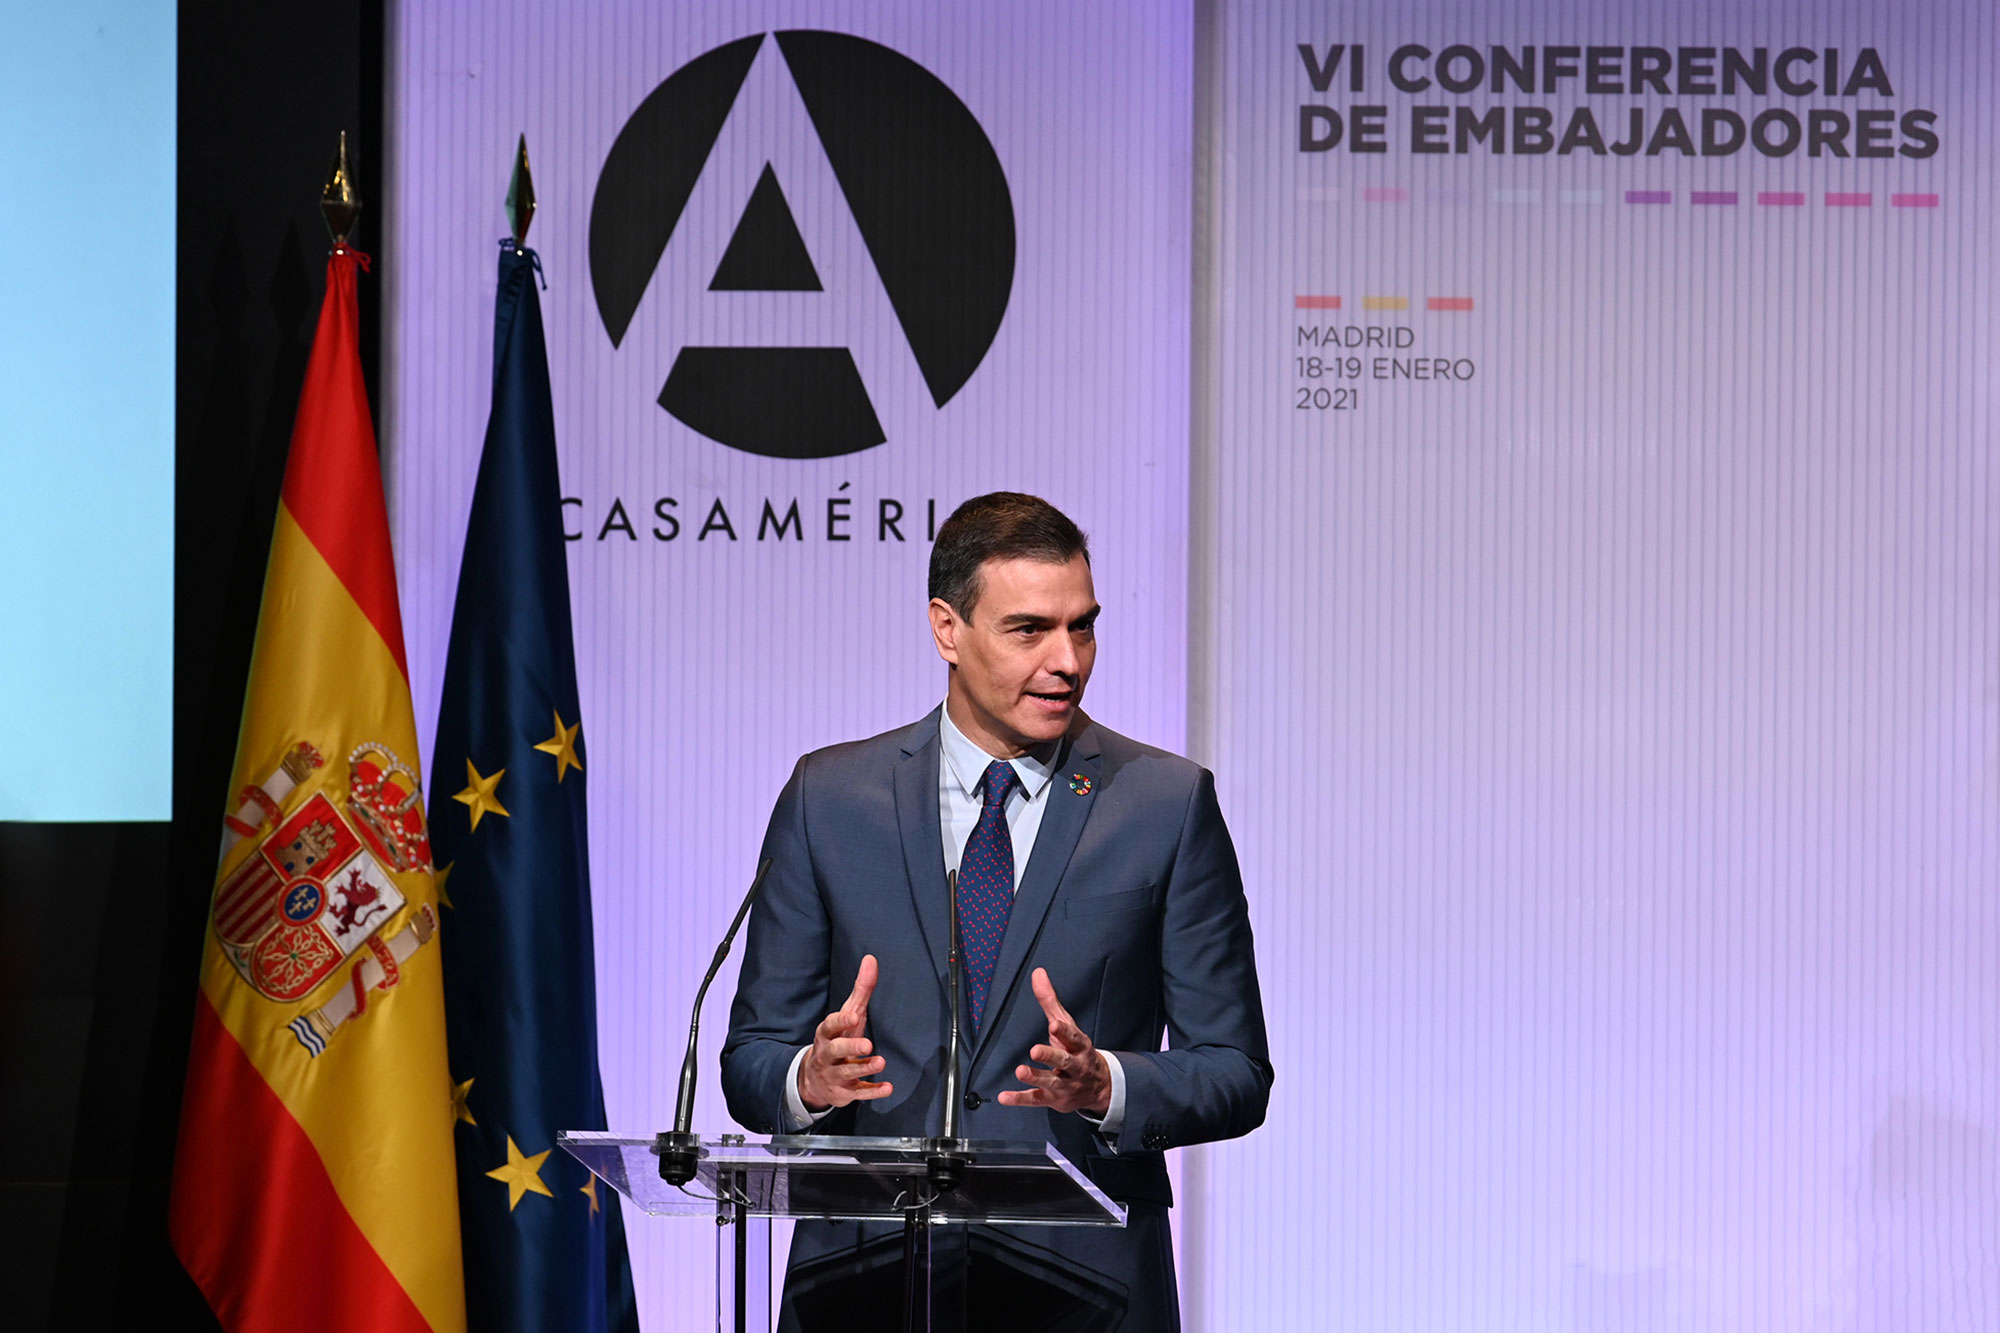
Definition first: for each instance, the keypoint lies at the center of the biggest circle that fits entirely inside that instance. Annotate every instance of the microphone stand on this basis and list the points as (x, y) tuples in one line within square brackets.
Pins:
[(947, 1155), (679, 1149)]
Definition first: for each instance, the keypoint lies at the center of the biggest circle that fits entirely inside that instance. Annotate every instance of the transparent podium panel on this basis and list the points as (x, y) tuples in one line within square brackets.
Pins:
[(832, 1176)]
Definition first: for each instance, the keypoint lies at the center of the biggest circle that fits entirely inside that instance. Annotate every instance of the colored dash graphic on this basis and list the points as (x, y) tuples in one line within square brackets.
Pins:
[(1913, 201), (1385, 194), (1448, 303), (1315, 303), (1649, 196), (1722, 197), (1781, 198), (1850, 200), (1385, 303)]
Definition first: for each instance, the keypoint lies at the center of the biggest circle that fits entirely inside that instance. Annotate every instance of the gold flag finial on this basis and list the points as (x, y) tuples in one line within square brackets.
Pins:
[(521, 196), (340, 201)]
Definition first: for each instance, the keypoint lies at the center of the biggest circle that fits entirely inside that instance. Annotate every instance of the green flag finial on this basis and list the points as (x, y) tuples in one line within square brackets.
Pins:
[(521, 197)]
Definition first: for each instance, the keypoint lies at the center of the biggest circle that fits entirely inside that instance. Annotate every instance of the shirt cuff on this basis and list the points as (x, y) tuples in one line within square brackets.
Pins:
[(797, 1117), (1114, 1115)]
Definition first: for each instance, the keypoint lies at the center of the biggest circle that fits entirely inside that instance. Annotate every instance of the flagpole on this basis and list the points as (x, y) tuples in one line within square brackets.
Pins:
[(315, 1119), (543, 1249)]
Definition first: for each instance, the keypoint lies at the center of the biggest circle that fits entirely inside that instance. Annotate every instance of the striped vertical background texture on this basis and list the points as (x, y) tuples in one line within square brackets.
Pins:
[(1611, 738), (706, 667)]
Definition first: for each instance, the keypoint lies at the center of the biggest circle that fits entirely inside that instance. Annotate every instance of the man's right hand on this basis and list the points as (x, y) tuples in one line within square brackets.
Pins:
[(837, 1069)]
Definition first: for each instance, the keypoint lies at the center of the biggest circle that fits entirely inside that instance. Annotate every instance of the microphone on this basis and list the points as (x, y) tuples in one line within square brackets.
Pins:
[(945, 1157), (679, 1149)]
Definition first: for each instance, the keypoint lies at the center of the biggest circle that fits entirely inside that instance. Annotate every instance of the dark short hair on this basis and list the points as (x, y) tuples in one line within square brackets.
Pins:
[(1005, 525)]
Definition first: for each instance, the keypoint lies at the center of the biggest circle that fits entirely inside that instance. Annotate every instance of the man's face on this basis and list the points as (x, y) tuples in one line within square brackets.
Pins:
[(1023, 657)]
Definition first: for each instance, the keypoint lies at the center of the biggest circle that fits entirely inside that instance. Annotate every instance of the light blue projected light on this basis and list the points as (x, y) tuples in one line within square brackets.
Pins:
[(87, 399)]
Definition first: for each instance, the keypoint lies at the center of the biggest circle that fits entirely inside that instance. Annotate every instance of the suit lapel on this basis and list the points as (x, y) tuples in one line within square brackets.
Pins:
[(923, 836), (1069, 806)]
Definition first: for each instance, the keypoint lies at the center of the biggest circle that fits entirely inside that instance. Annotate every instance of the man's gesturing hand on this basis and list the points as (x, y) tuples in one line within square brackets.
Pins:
[(836, 1070), (1077, 1078)]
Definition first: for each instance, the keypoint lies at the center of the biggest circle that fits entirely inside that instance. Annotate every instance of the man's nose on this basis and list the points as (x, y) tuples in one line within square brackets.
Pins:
[(1062, 658)]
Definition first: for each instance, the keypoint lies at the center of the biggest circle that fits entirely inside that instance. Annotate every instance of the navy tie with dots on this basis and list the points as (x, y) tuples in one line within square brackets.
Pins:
[(986, 888)]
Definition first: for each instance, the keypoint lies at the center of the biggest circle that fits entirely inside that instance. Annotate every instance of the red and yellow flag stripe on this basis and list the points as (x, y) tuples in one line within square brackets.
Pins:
[(316, 1189)]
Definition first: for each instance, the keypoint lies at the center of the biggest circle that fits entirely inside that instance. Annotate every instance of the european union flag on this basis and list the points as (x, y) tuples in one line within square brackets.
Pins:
[(544, 1245)]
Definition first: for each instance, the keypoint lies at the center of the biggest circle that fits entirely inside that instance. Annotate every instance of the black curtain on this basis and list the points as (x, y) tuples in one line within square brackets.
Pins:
[(103, 923)]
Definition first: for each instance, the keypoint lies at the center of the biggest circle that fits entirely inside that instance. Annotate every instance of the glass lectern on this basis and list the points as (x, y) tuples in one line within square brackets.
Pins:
[(741, 1185)]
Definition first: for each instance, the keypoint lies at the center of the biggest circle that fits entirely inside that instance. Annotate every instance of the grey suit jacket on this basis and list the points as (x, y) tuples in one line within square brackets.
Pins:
[(1132, 900)]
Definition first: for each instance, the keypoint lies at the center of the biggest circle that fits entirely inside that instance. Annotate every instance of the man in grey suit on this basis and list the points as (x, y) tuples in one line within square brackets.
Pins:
[(1102, 909)]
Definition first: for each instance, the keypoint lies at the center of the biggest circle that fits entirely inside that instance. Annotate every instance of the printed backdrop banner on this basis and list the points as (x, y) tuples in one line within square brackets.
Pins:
[(1596, 643), (1578, 565), (816, 273)]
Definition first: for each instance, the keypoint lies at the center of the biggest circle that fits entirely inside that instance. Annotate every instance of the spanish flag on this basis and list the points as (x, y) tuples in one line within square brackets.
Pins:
[(314, 1183)]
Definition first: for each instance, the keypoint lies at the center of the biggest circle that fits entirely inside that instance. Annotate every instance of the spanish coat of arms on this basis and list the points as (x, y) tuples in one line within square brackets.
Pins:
[(317, 889)]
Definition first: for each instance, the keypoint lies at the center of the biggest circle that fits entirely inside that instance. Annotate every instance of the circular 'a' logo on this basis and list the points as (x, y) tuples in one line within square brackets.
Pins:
[(928, 196)]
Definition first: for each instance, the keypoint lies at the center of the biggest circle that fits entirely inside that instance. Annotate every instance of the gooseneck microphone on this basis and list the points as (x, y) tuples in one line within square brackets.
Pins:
[(680, 1149), (945, 1157)]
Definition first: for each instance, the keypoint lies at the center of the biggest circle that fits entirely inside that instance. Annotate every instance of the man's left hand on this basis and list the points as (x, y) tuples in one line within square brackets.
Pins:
[(1076, 1077)]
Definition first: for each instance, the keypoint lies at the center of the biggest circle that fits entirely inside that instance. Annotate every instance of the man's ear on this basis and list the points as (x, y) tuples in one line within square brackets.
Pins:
[(945, 626)]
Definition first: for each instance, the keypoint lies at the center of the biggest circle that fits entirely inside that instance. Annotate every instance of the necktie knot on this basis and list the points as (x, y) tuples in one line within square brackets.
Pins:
[(1000, 780)]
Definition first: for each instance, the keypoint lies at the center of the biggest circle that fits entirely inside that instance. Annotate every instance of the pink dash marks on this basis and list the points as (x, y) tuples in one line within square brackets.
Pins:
[(1385, 194), (1649, 196), (1850, 200), (1913, 201), (1726, 198), (1781, 198), (1448, 303), (1315, 303)]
